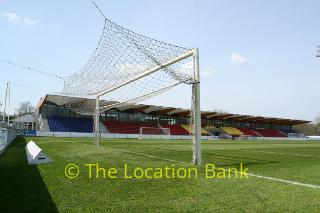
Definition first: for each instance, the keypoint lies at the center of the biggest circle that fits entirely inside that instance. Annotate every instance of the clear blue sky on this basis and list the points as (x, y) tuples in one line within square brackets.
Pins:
[(256, 57)]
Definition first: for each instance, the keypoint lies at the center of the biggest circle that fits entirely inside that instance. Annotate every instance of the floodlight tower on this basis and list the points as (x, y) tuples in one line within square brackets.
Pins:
[(6, 102), (318, 50)]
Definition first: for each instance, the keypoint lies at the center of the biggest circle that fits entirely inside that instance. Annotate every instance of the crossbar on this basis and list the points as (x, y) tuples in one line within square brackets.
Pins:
[(149, 71)]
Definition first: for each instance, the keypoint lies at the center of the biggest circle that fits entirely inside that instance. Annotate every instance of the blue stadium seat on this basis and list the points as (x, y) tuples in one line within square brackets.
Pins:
[(70, 124)]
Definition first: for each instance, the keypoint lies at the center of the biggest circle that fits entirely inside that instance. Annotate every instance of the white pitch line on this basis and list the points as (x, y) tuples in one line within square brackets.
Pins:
[(249, 174), (150, 156), (286, 181), (307, 185), (142, 154), (281, 153)]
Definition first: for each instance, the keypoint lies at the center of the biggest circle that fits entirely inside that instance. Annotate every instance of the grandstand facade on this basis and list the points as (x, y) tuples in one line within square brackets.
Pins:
[(55, 115)]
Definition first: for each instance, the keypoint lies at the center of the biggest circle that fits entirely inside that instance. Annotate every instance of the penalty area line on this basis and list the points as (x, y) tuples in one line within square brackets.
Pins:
[(280, 153), (147, 155), (286, 181), (142, 154), (307, 185)]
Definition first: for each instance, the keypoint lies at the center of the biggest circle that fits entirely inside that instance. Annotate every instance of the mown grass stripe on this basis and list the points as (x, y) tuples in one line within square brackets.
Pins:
[(307, 185)]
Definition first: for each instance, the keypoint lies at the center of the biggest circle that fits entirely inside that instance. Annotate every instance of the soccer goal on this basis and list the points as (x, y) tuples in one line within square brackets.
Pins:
[(127, 68), (154, 132), (245, 137)]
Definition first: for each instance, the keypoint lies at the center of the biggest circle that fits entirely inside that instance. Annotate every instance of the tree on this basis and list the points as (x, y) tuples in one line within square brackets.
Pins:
[(25, 108), (310, 128)]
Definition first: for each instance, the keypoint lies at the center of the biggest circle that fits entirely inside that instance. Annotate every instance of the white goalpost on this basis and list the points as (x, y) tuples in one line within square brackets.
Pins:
[(195, 110), (128, 68)]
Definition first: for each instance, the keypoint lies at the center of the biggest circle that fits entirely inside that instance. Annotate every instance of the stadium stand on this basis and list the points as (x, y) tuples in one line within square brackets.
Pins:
[(287, 131), (176, 129), (232, 131), (57, 124), (204, 131), (209, 128), (55, 115), (129, 128), (188, 128), (214, 130), (270, 133), (250, 132)]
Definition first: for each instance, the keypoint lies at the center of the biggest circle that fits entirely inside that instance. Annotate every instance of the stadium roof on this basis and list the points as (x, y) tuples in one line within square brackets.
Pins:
[(61, 100)]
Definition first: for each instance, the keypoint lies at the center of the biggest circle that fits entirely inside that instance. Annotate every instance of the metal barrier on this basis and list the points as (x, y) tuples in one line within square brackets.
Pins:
[(6, 137), (115, 135)]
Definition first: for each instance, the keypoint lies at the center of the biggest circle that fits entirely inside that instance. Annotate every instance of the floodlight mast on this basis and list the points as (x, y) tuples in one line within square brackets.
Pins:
[(7, 104), (195, 103)]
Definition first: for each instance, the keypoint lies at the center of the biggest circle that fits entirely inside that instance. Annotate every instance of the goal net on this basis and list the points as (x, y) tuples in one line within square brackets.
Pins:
[(245, 137), (154, 132), (127, 68)]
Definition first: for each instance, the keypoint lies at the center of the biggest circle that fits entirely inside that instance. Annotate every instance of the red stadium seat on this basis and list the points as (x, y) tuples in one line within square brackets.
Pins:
[(176, 129), (270, 133), (250, 132), (126, 127)]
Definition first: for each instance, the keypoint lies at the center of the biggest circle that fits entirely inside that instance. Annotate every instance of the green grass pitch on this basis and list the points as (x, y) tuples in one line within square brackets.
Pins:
[(25, 188)]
